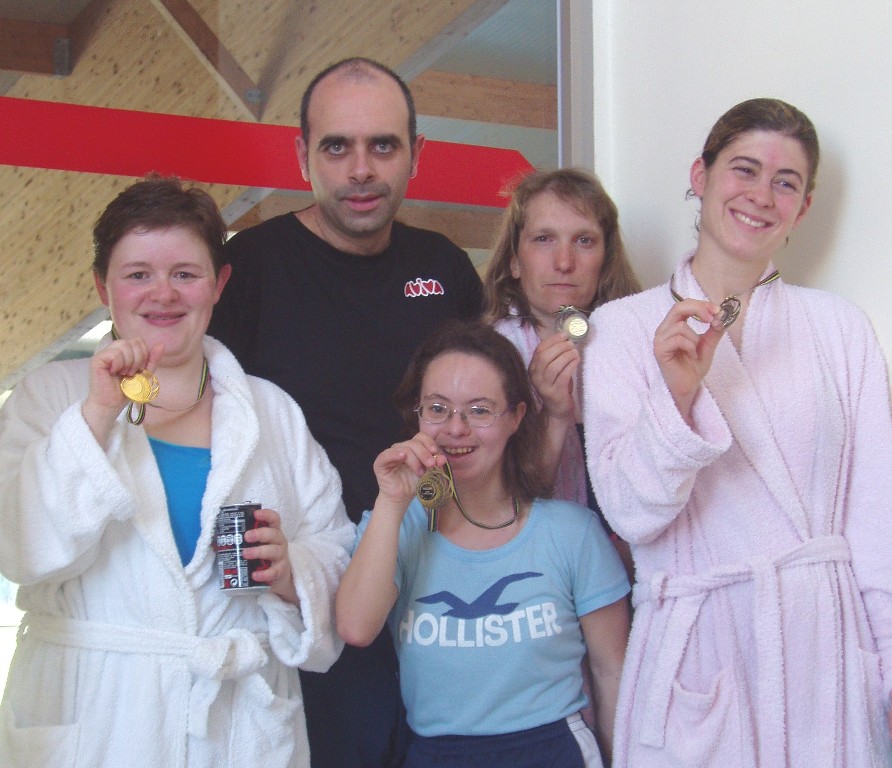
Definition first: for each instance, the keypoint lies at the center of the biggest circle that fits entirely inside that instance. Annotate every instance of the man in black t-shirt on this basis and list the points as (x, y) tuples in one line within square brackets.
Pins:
[(329, 303)]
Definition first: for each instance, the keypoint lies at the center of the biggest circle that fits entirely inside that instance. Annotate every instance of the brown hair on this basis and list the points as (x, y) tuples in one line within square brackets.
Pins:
[(584, 192), (765, 115), (158, 202), (522, 472)]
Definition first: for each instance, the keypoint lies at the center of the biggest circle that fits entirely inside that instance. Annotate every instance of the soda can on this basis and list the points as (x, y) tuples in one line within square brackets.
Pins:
[(236, 574)]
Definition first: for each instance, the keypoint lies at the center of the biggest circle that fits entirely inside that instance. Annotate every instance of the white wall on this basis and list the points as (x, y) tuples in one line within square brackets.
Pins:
[(665, 71)]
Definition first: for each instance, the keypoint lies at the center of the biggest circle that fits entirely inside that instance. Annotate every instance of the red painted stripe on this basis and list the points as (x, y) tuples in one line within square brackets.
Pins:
[(73, 137)]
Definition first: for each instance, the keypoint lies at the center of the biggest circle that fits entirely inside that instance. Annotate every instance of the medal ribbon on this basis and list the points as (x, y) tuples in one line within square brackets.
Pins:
[(729, 309)]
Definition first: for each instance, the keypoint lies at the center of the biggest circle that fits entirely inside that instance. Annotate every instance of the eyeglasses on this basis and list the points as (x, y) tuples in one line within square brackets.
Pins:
[(477, 416)]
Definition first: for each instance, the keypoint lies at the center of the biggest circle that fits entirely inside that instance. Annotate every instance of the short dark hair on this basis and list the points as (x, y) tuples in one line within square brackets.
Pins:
[(158, 202), (765, 114), (522, 471), (357, 66), (584, 192)]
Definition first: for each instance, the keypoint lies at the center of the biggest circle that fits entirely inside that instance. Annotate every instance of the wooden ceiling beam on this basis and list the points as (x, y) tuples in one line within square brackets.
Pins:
[(486, 99), (43, 48), (85, 26), (216, 58), (34, 48)]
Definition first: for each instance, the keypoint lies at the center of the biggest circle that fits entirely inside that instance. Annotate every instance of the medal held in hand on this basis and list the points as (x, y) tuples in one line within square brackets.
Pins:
[(728, 312), (573, 322), (434, 489), (729, 309), (141, 388)]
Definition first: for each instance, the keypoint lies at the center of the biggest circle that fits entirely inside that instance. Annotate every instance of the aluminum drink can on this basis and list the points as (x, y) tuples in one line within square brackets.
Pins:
[(236, 574)]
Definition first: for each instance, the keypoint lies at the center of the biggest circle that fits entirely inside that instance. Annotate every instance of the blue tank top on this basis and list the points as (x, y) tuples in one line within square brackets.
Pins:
[(184, 471)]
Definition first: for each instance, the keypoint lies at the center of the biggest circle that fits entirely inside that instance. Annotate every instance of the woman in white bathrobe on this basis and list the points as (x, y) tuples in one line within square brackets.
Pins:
[(130, 654), (749, 464)]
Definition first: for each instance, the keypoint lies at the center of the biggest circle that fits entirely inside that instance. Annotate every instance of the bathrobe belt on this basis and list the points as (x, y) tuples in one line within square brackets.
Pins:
[(235, 654), (688, 592)]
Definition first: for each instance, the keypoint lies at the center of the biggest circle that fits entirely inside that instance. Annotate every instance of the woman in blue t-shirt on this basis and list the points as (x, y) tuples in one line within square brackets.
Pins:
[(492, 611)]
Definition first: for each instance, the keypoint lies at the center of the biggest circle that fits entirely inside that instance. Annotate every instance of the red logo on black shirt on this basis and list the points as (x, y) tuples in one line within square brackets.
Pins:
[(420, 287)]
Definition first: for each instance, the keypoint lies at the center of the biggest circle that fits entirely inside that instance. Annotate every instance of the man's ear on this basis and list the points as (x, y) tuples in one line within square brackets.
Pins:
[(416, 153), (303, 156)]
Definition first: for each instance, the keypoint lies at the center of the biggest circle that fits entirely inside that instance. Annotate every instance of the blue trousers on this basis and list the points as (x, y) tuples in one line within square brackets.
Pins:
[(547, 746)]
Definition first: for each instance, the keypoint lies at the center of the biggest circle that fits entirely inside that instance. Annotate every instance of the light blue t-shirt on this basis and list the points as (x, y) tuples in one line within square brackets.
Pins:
[(489, 641), (184, 471)]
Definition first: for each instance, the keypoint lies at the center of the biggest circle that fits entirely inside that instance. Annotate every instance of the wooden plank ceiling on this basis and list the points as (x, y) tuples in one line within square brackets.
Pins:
[(227, 59)]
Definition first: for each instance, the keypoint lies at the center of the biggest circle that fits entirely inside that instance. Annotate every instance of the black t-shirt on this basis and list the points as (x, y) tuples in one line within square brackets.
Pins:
[(336, 330)]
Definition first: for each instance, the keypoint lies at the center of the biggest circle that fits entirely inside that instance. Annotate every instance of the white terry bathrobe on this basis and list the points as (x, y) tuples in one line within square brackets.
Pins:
[(762, 538), (125, 657)]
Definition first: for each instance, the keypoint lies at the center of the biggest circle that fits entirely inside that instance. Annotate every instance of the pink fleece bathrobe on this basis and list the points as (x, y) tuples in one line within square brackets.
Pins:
[(762, 537)]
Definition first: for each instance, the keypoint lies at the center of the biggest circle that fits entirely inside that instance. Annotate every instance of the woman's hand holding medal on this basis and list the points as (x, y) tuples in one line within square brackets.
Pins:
[(109, 367), (399, 468), (552, 373), (685, 356)]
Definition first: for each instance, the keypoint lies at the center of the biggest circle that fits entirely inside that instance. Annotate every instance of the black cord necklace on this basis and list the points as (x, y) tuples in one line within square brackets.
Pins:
[(472, 521)]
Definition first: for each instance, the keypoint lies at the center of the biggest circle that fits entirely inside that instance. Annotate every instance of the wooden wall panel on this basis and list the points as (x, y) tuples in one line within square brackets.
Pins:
[(485, 99)]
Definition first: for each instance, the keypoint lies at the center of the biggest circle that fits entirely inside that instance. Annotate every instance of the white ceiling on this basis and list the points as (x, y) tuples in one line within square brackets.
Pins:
[(518, 42)]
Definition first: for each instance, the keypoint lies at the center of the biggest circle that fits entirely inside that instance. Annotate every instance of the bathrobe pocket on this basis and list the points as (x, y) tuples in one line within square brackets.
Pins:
[(689, 725), (699, 724), (269, 724), (54, 745), (864, 704)]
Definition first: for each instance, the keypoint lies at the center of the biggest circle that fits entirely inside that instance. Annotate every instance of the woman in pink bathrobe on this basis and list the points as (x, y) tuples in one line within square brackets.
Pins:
[(741, 442)]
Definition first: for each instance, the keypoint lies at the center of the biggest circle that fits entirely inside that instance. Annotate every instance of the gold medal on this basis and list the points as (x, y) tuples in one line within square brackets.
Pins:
[(434, 489), (141, 388), (573, 322)]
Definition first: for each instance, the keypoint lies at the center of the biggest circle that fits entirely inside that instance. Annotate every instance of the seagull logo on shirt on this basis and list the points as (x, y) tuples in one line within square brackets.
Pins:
[(485, 605)]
